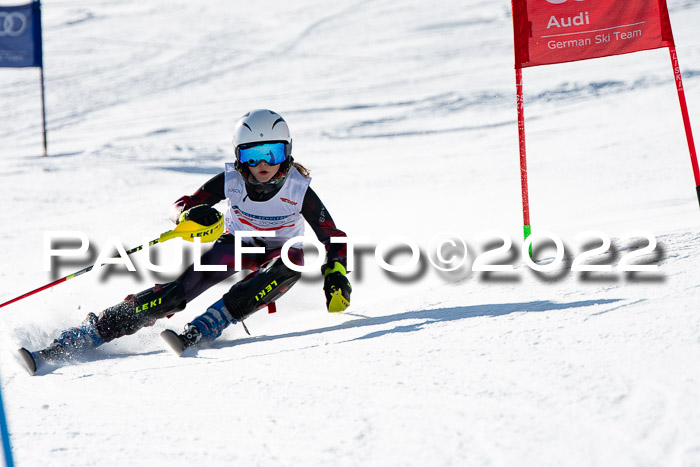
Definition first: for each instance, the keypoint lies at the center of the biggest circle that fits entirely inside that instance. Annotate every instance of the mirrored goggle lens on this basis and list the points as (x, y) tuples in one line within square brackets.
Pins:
[(272, 153)]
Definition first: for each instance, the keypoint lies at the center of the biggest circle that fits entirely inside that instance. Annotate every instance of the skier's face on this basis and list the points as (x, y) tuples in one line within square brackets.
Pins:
[(263, 173)]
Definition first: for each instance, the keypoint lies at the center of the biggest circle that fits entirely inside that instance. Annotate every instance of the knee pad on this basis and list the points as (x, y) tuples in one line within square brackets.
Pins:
[(258, 291), (141, 309)]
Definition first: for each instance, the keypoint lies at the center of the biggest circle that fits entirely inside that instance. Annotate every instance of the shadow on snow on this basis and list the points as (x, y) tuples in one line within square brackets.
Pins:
[(426, 317)]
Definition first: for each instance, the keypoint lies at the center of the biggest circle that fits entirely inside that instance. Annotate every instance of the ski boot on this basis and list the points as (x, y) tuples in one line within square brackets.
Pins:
[(205, 327), (69, 344)]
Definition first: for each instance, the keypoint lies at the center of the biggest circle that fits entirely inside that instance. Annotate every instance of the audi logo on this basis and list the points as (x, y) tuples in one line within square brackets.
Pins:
[(12, 24)]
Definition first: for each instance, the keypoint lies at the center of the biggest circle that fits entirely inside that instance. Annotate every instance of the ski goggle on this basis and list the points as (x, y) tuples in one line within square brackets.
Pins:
[(272, 153)]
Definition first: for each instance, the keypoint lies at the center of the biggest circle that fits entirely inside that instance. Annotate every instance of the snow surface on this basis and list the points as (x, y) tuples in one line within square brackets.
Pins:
[(405, 112)]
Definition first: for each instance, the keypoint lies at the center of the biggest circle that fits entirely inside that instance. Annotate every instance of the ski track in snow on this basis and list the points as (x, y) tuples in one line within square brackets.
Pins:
[(406, 115)]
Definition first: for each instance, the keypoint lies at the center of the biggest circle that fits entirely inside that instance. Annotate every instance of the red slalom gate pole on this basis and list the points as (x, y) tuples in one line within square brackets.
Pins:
[(686, 118), (523, 160)]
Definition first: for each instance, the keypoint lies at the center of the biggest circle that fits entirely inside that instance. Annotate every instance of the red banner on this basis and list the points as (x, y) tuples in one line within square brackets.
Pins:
[(556, 31)]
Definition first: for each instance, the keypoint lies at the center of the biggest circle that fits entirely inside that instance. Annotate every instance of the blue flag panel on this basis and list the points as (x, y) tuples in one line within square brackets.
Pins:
[(20, 35)]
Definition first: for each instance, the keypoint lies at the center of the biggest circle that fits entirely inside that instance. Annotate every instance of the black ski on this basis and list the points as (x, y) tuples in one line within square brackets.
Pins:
[(27, 360), (174, 341)]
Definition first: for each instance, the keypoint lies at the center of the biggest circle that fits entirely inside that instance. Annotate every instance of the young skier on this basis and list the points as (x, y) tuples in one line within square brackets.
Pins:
[(265, 190)]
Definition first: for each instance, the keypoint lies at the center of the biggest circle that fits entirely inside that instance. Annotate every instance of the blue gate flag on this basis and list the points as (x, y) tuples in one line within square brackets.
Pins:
[(20, 36)]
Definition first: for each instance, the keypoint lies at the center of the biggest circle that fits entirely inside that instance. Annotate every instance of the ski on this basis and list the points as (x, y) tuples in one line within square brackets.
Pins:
[(174, 341), (27, 360)]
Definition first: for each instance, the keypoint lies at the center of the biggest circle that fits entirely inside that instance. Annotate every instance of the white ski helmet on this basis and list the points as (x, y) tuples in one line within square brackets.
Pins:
[(261, 126)]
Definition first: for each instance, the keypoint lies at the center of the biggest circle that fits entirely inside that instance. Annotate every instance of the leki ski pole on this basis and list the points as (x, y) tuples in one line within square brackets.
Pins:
[(187, 230)]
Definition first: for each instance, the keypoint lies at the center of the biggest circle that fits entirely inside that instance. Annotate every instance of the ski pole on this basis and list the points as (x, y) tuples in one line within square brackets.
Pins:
[(187, 230)]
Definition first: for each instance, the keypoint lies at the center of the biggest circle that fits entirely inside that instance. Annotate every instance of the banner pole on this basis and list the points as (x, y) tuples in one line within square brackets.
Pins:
[(43, 109), (686, 118), (523, 159)]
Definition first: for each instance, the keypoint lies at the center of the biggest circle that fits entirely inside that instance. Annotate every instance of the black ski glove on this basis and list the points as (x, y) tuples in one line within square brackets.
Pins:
[(337, 288), (202, 215)]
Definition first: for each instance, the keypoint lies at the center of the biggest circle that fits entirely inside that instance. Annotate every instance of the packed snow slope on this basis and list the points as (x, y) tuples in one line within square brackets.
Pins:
[(405, 112)]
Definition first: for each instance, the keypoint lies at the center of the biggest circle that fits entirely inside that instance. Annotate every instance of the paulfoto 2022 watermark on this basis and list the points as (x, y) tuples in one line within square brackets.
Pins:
[(635, 251)]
